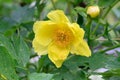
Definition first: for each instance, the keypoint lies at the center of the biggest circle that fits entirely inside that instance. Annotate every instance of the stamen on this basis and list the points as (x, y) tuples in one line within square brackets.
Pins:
[(63, 38)]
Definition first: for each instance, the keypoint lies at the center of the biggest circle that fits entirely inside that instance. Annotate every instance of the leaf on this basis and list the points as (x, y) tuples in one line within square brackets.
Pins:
[(112, 72), (115, 78), (79, 75), (81, 11), (22, 14), (97, 60), (6, 24), (4, 41), (18, 50), (113, 63), (7, 67), (74, 62), (22, 51), (5, 1), (116, 12), (40, 76), (75, 2), (57, 77)]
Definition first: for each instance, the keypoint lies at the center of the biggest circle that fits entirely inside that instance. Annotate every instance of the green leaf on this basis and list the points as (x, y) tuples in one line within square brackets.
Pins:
[(81, 11), (112, 72), (22, 14), (113, 63), (75, 2), (18, 50), (74, 62), (40, 76), (22, 51), (116, 12), (7, 68), (6, 24), (4, 41), (97, 60), (5, 1), (115, 78)]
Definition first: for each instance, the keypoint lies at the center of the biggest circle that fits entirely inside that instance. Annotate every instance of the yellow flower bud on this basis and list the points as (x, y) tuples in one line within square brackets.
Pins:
[(93, 11)]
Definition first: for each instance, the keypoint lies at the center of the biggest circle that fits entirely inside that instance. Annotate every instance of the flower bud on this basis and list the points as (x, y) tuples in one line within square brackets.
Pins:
[(93, 11)]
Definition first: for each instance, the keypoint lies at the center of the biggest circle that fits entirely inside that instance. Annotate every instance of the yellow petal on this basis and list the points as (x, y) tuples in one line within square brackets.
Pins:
[(39, 49), (79, 46), (57, 16), (77, 30), (44, 31), (57, 54), (81, 49), (78, 33)]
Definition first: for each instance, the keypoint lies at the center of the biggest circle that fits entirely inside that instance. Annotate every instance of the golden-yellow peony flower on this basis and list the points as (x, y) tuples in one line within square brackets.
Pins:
[(93, 11), (58, 37)]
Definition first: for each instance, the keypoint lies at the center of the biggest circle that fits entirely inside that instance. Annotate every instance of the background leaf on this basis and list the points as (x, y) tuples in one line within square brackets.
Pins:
[(40, 76), (22, 14), (22, 51), (7, 66), (4, 41)]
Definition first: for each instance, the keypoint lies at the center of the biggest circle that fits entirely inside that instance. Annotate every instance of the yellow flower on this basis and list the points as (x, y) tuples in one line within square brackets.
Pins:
[(93, 11), (58, 37)]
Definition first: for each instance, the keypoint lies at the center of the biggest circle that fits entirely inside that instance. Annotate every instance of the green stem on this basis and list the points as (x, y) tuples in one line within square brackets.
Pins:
[(114, 26), (18, 31), (53, 4), (88, 26), (103, 51), (31, 64), (104, 16), (34, 55), (3, 77), (109, 8), (91, 2), (95, 29), (41, 63), (38, 8)]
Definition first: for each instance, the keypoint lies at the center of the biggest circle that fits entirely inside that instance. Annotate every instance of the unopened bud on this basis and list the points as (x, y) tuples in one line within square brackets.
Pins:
[(93, 11)]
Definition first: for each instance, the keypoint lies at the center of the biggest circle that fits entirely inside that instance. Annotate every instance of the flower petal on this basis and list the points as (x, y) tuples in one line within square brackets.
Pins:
[(81, 49), (57, 54), (77, 30), (79, 46), (44, 31), (78, 33), (41, 50), (57, 16)]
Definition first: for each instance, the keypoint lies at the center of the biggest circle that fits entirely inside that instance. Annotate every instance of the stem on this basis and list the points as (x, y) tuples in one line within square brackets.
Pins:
[(88, 26), (31, 64), (34, 55), (103, 51), (3, 77), (118, 39), (91, 2), (38, 8), (104, 16), (40, 63), (95, 29), (114, 26), (53, 4), (27, 40), (109, 8), (18, 31)]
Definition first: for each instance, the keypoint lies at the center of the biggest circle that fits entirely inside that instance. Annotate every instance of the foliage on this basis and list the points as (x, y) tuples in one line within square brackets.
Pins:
[(102, 34)]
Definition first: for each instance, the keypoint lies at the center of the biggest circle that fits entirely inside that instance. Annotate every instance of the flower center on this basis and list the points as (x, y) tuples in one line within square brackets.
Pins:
[(62, 38)]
